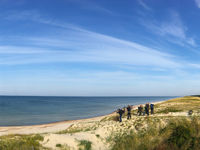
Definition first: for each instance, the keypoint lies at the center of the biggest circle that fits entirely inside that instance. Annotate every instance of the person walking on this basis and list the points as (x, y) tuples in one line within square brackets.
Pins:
[(120, 112), (147, 109), (129, 112), (152, 108), (141, 110)]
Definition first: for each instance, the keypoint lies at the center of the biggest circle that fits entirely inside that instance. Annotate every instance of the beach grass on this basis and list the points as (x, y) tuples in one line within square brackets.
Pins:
[(21, 142), (178, 134), (62, 147), (85, 145)]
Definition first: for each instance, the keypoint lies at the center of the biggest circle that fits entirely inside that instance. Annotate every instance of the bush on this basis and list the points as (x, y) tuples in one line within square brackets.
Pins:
[(85, 145)]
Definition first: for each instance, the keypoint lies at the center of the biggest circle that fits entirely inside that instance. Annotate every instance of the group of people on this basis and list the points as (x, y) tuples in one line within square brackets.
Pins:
[(141, 111), (145, 111), (122, 111)]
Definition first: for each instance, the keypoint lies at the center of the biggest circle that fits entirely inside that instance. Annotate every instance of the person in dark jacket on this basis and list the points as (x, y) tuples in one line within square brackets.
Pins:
[(147, 109), (129, 112), (140, 110), (120, 112), (152, 108)]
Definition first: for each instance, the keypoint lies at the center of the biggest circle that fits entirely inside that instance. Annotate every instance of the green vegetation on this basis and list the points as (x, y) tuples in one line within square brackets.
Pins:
[(183, 104), (58, 145), (97, 135), (167, 110), (70, 131), (63, 147), (85, 145), (21, 142), (75, 129), (178, 134)]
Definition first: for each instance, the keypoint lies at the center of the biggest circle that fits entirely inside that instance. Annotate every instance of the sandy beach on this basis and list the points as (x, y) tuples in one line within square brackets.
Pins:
[(100, 131), (52, 127)]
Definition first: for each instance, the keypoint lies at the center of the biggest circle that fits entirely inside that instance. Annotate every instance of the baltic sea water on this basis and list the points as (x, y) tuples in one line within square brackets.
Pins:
[(31, 110)]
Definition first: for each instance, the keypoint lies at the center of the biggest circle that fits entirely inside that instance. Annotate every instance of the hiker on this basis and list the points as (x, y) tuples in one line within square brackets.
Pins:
[(147, 109), (190, 112), (129, 112), (120, 112), (152, 108), (140, 110)]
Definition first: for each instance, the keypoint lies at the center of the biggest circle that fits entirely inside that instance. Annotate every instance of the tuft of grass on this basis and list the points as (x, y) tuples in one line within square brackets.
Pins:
[(21, 142), (97, 135), (58, 145), (63, 147), (85, 145), (70, 131)]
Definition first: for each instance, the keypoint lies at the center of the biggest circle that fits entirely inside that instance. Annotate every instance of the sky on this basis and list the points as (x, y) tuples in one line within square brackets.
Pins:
[(100, 47)]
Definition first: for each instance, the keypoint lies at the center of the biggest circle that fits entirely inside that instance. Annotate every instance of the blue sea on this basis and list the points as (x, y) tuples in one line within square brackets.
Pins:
[(31, 110)]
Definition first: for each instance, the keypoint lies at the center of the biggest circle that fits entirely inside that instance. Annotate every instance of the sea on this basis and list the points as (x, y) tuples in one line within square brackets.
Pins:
[(32, 110)]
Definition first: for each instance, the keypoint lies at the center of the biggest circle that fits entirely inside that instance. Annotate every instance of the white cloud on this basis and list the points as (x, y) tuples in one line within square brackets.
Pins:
[(76, 44), (191, 41), (197, 3), (144, 5), (86, 46), (173, 29), (22, 50)]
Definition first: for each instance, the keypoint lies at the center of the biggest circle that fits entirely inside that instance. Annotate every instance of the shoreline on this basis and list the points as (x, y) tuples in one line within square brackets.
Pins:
[(55, 126)]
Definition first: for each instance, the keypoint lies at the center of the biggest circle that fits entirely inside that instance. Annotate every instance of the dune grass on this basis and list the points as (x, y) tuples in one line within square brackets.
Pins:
[(168, 110), (21, 142), (85, 145), (182, 104), (178, 134), (62, 147)]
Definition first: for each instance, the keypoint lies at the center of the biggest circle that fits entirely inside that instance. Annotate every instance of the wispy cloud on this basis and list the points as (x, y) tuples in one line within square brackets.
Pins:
[(197, 3), (173, 29), (22, 50), (92, 6), (144, 5), (86, 46)]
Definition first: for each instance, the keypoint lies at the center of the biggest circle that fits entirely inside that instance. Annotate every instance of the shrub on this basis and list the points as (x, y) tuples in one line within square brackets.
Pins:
[(58, 145), (85, 145)]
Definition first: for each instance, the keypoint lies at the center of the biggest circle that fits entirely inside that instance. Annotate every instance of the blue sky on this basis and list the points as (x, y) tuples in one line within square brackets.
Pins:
[(99, 47)]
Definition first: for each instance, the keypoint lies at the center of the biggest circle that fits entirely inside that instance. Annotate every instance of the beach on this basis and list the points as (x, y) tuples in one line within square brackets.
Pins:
[(53, 127), (101, 131), (35, 110)]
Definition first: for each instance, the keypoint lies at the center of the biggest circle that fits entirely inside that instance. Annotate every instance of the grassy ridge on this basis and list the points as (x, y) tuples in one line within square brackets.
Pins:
[(164, 132), (178, 134)]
